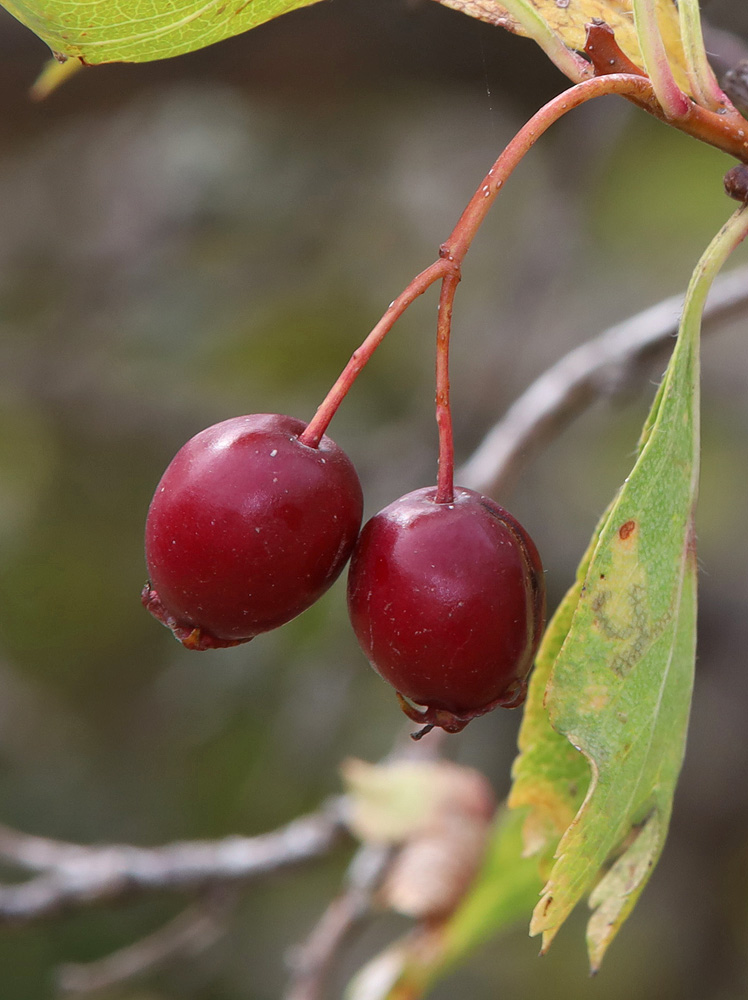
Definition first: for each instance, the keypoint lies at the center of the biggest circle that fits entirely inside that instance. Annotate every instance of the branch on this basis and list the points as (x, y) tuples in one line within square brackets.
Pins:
[(313, 961), (191, 932), (597, 368), (75, 875)]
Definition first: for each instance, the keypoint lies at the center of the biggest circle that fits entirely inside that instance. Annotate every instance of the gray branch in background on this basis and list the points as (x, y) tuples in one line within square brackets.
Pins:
[(312, 962), (598, 368), (71, 875), (190, 933)]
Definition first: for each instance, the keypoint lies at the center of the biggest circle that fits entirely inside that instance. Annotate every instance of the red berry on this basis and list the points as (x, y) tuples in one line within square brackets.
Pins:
[(448, 603), (247, 528)]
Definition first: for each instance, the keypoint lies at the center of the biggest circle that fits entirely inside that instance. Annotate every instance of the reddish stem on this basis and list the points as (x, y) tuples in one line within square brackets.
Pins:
[(445, 479), (317, 426), (627, 84), (724, 129), (452, 253)]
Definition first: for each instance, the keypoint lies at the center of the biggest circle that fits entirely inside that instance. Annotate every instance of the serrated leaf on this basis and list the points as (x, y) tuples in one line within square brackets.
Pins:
[(101, 31), (566, 20), (620, 688), (549, 775), (630, 724)]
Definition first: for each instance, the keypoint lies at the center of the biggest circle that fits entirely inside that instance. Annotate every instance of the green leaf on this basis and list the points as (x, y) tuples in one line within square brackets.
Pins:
[(507, 887), (141, 30), (549, 775), (620, 688)]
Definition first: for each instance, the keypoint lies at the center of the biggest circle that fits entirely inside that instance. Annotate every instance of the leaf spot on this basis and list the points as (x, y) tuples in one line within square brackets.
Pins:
[(626, 530)]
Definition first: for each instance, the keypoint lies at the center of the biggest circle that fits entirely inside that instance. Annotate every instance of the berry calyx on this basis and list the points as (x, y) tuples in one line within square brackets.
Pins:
[(247, 528), (448, 603)]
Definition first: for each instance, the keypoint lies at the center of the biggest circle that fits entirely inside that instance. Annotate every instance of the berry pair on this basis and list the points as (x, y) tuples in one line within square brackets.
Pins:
[(249, 526)]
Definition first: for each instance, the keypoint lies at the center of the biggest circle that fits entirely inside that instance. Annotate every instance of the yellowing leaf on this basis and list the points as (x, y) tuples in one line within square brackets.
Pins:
[(549, 775), (100, 31), (620, 689), (566, 20), (624, 646), (621, 695)]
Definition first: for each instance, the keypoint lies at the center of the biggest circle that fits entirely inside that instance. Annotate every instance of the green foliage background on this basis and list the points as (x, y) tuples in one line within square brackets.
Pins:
[(210, 235)]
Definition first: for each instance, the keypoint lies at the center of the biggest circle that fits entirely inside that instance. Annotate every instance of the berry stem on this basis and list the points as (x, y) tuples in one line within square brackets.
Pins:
[(453, 251), (317, 426), (627, 84), (445, 478)]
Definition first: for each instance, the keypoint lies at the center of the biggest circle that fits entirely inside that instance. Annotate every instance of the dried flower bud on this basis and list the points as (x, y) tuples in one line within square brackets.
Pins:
[(439, 814)]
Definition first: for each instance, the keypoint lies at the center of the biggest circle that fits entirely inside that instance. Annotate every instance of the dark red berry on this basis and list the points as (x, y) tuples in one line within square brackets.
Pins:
[(247, 528), (448, 603)]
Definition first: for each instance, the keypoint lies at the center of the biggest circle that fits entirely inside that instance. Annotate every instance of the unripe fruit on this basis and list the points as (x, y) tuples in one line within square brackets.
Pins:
[(247, 528), (448, 603)]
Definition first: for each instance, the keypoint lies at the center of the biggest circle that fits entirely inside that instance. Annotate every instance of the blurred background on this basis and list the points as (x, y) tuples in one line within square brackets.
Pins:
[(212, 235)]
